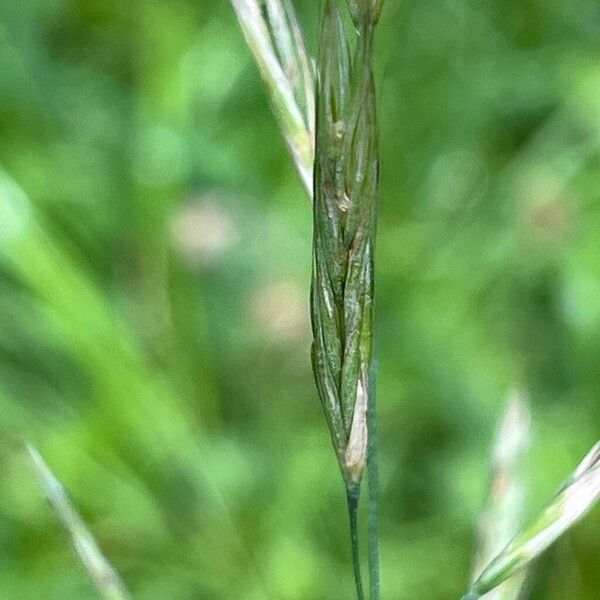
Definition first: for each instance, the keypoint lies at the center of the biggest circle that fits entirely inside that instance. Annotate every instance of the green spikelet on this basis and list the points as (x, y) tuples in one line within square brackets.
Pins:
[(346, 179)]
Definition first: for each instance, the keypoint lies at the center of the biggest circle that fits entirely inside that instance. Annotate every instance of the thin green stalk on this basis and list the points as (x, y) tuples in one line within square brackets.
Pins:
[(373, 489), (353, 496)]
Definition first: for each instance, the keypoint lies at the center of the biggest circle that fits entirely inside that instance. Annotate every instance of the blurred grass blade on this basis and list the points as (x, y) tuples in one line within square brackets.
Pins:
[(502, 517), (577, 496), (105, 577), (277, 43), (591, 460), (132, 400)]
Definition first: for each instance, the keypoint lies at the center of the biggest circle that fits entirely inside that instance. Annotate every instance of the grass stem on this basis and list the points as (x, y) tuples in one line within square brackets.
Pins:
[(353, 495), (373, 489)]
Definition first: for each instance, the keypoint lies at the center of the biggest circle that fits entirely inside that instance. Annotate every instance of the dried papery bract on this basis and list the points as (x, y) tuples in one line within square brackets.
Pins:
[(345, 188), (106, 579), (275, 39), (577, 496)]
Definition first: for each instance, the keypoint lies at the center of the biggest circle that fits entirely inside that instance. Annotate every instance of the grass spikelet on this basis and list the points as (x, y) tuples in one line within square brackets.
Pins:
[(344, 221), (573, 501), (274, 36), (346, 178)]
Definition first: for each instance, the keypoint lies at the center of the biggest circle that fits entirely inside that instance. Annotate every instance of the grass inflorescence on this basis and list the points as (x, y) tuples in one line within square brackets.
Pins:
[(346, 178)]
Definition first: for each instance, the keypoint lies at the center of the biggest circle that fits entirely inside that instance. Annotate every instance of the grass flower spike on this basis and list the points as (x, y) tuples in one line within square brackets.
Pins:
[(346, 178), (345, 189), (335, 149), (577, 496)]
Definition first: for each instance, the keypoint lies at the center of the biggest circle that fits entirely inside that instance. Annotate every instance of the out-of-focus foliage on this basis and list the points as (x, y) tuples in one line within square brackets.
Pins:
[(154, 272)]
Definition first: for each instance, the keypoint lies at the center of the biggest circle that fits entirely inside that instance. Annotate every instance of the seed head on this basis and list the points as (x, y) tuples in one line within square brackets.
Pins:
[(346, 179), (575, 498)]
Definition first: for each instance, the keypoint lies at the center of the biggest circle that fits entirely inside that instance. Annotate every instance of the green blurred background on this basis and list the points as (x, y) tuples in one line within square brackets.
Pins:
[(154, 273)]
